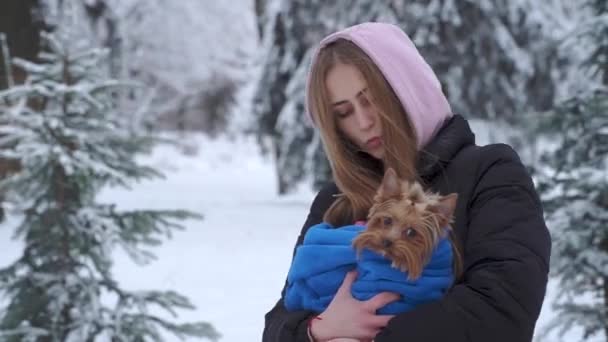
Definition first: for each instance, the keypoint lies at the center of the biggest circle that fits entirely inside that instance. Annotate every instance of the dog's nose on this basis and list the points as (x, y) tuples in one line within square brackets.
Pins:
[(387, 243)]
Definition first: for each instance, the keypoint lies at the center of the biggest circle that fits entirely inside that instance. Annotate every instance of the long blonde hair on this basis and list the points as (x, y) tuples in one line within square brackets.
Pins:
[(357, 174)]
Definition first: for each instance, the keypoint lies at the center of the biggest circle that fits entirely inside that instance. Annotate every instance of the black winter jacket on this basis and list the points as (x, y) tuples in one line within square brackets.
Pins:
[(506, 247)]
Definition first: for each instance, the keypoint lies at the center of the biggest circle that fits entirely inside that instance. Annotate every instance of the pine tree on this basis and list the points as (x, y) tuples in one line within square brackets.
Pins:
[(491, 58), (70, 138), (572, 180)]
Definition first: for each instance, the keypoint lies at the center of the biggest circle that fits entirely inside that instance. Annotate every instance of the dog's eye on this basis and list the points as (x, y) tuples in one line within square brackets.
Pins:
[(388, 221), (410, 232)]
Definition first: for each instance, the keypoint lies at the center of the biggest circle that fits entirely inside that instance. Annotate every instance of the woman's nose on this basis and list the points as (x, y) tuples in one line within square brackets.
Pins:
[(365, 118)]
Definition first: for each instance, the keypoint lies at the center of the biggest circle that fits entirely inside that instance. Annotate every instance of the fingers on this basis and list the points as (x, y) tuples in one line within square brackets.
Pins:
[(380, 321), (380, 300), (347, 283)]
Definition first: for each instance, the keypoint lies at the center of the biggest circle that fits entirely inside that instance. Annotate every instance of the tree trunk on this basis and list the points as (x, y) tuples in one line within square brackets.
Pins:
[(22, 33), (22, 30), (606, 307)]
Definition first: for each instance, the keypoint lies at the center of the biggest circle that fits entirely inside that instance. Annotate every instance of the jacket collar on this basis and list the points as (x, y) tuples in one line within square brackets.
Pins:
[(455, 135)]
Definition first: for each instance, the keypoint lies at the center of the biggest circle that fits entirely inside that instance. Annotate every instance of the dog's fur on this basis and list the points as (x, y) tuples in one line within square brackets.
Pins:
[(406, 223)]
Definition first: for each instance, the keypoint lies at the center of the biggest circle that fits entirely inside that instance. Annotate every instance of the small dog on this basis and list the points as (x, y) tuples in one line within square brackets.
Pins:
[(405, 224)]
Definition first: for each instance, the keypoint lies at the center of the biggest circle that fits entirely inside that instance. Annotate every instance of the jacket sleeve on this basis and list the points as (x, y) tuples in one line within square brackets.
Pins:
[(506, 256), (280, 324)]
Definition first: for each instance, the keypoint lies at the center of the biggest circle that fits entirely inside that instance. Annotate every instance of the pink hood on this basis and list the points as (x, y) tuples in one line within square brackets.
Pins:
[(411, 78)]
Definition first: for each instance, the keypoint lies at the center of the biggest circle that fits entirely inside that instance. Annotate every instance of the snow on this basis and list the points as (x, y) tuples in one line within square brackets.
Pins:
[(183, 43), (232, 264), (576, 334)]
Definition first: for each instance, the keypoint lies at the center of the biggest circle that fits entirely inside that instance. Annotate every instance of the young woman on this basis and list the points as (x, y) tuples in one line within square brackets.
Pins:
[(378, 104)]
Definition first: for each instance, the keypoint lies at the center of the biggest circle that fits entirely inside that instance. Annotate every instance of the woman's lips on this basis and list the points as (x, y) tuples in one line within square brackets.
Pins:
[(373, 143)]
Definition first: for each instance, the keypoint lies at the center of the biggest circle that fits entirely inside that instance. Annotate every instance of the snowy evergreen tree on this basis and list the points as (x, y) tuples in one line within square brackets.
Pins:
[(19, 37), (574, 187), (64, 128), (173, 47), (494, 58), (95, 19)]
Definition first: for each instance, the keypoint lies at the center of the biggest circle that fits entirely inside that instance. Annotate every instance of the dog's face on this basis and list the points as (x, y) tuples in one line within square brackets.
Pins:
[(406, 223)]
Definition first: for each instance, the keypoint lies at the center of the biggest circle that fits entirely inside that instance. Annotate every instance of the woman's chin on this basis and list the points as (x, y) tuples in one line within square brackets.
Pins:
[(377, 153)]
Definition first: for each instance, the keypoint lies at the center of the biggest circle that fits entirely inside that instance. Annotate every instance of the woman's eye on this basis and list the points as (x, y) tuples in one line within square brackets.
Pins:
[(365, 102), (344, 114), (366, 99), (388, 221)]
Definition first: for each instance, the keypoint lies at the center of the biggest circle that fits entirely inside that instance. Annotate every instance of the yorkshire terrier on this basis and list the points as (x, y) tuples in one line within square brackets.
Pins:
[(406, 223)]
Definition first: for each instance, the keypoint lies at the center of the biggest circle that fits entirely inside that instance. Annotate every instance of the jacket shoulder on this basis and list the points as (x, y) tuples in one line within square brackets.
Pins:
[(324, 198), (499, 152), (486, 155), (502, 159), (480, 168), (501, 166), (498, 158)]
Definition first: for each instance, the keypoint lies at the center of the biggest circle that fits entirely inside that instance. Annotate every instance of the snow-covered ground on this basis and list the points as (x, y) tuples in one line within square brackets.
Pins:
[(232, 263)]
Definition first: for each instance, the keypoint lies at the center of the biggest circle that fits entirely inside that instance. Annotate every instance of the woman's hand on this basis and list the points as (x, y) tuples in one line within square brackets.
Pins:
[(347, 317)]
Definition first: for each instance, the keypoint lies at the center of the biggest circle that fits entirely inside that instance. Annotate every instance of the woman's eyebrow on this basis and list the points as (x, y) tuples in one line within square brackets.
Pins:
[(361, 92), (339, 103)]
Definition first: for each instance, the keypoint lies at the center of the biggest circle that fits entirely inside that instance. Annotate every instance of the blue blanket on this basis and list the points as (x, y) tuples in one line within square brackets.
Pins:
[(326, 255)]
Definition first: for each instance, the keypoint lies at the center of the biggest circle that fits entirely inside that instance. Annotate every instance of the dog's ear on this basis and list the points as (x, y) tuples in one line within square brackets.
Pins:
[(390, 186), (445, 209)]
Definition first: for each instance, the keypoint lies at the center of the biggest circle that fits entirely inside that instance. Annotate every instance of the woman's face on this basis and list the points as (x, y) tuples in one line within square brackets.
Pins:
[(356, 114)]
